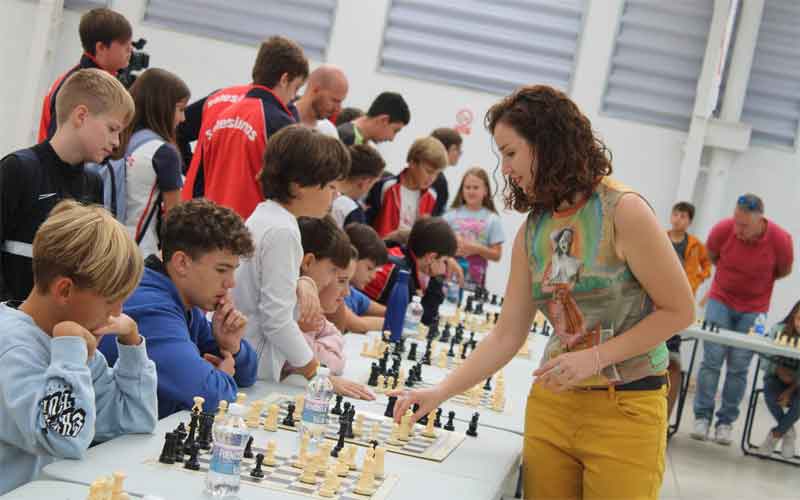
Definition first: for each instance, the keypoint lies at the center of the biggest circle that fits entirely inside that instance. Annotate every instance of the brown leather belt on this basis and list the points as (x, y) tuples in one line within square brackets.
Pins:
[(651, 383)]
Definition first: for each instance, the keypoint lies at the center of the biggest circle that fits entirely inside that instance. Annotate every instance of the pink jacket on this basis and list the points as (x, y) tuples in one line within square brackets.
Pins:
[(327, 344)]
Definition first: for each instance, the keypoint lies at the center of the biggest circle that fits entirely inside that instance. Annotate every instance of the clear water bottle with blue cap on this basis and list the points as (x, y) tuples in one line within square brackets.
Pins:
[(760, 325)]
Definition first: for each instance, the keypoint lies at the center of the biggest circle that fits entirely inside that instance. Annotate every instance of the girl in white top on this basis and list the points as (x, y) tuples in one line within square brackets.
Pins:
[(153, 164)]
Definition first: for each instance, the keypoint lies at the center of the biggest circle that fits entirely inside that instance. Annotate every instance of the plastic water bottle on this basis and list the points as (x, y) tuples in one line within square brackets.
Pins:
[(396, 306), (760, 325), (413, 316), (230, 439), (314, 419), (453, 290)]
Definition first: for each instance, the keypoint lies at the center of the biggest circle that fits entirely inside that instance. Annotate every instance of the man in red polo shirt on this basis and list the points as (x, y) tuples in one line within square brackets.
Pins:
[(750, 252)]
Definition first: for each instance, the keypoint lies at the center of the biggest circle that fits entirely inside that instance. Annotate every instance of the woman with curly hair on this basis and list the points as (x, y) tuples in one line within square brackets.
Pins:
[(591, 250)]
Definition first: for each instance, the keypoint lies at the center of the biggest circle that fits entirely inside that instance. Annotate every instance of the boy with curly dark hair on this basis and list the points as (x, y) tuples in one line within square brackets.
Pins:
[(201, 246)]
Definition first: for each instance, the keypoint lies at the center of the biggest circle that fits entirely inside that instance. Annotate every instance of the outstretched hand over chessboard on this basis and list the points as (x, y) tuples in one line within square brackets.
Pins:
[(428, 400), (351, 389)]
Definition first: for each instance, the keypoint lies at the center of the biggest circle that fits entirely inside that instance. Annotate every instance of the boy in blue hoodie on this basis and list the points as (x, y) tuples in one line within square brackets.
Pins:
[(57, 393), (201, 245)]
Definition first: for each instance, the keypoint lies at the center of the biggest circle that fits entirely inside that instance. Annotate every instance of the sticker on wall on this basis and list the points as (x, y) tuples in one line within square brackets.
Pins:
[(464, 118)]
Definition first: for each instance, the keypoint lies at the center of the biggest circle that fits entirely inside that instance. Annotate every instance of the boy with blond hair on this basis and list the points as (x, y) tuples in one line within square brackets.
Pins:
[(396, 202), (93, 108), (58, 394)]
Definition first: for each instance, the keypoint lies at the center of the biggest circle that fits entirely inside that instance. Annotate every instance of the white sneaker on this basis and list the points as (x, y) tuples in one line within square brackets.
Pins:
[(700, 431), (768, 445), (723, 434), (788, 445)]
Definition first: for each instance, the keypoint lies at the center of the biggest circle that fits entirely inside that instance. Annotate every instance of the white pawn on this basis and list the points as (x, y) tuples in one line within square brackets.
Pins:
[(358, 426), (405, 426), (442, 362), (390, 383), (254, 414), (302, 454), (380, 456), (430, 431), (342, 469), (240, 397), (221, 411), (269, 457), (366, 482), (116, 490), (309, 475), (376, 430), (394, 436), (365, 350), (299, 402), (330, 485), (351, 457), (380, 388), (271, 421)]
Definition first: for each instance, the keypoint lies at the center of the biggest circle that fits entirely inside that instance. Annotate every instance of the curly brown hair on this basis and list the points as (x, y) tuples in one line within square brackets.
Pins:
[(200, 226), (570, 159)]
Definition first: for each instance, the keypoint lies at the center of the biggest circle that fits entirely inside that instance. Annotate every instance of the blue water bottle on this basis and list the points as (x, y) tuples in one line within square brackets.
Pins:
[(396, 307)]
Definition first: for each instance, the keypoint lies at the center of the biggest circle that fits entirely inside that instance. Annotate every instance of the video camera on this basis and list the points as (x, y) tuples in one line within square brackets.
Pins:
[(139, 60)]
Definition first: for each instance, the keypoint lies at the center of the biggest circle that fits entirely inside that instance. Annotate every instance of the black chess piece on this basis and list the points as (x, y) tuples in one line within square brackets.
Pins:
[(340, 442), (288, 421), (374, 371), (412, 352), (248, 449), (423, 420), (496, 317), (437, 422), (468, 308), (337, 408), (450, 426), (194, 422), (382, 363), (467, 345), (390, 407), (257, 472), (433, 331), (204, 437), (502, 299), (451, 351), (351, 415), (181, 431), (473, 345), (471, 337), (193, 463), (472, 430), (445, 337), (479, 309), (346, 411), (426, 358), (704, 325), (396, 365), (488, 385), (168, 451), (494, 299)]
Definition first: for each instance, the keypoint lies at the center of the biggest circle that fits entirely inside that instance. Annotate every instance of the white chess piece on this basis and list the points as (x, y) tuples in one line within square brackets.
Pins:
[(394, 436), (299, 402), (380, 388), (221, 411), (405, 426), (351, 457), (380, 456), (254, 414), (269, 457), (240, 397), (302, 454), (309, 475), (366, 482), (329, 485), (358, 426), (198, 404), (271, 420), (342, 469)]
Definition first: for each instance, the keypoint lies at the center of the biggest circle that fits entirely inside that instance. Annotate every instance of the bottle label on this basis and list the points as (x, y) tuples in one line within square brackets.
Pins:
[(226, 459), (315, 412)]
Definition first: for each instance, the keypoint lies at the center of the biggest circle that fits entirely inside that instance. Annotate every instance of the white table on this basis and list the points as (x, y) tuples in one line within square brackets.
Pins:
[(464, 474), (759, 345), (49, 490)]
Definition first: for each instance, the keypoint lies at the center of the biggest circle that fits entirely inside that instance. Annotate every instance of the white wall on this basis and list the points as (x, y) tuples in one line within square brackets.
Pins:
[(645, 157)]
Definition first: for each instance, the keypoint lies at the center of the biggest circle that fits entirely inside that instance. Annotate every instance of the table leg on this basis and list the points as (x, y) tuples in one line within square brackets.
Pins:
[(673, 428)]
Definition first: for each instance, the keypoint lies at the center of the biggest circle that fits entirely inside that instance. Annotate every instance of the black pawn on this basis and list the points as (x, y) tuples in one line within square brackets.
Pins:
[(473, 345), (382, 363), (168, 451), (375, 370), (437, 422), (494, 299), (450, 426), (488, 385), (257, 472), (467, 345), (396, 366), (340, 443), (390, 407), (472, 430), (433, 331), (412, 352), (288, 421), (471, 337), (445, 333), (193, 463), (704, 325), (337, 408), (451, 352), (181, 431), (248, 449), (351, 415), (346, 410)]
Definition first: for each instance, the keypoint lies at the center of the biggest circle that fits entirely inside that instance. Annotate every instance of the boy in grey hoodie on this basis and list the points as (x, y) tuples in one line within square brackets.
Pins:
[(57, 394)]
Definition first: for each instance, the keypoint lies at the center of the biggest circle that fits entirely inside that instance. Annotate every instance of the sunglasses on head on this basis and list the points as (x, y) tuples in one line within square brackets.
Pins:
[(748, 202)]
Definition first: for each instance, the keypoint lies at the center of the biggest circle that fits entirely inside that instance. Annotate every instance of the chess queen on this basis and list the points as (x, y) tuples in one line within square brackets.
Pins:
[(590, 256)]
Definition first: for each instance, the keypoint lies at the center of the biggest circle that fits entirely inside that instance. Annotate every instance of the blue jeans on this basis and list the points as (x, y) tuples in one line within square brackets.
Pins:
[(773, 387), (738, 364)]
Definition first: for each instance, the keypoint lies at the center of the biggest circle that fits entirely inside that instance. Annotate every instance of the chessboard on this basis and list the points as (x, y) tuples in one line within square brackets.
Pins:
[(377, 428), (284, 477)]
